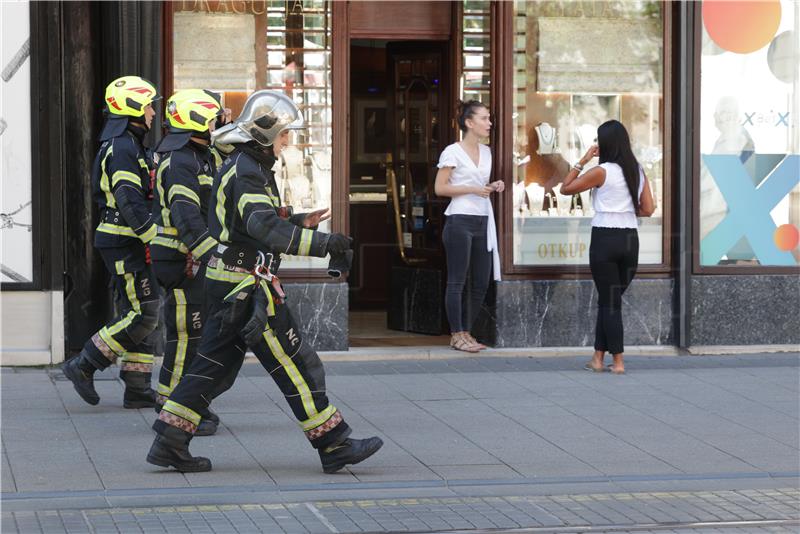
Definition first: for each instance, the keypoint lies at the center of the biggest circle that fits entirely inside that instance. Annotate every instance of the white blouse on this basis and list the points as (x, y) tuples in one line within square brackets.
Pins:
[(612, 202), (466, 173)]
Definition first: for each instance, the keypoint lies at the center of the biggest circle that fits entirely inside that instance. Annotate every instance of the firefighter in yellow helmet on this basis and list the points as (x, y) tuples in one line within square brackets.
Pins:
[(246, 304), (121, 185), (181, 250)]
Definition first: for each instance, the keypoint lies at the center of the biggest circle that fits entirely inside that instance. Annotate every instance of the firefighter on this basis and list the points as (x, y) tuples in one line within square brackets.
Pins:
[(121, 186), (245, 300), (182, 248)]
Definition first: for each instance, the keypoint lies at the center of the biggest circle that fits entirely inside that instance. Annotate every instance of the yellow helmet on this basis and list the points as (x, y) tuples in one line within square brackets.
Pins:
[(129, 95), (192, 109)]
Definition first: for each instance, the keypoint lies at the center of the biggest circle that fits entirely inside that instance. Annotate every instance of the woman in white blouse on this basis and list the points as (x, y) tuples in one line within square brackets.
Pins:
[(621, 194), (469, 236)]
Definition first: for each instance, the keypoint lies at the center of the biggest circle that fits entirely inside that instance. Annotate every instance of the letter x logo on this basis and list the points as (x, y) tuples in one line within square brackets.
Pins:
[(749, 207)]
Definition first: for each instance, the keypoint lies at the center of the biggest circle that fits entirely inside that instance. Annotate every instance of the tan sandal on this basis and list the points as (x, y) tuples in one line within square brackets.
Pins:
[(460, 342), (475, 342)]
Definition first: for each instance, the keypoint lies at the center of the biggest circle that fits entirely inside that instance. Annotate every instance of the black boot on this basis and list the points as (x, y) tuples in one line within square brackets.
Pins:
[(171, 449), (138, 393), (80, 372), (208, 424), (348, 452)]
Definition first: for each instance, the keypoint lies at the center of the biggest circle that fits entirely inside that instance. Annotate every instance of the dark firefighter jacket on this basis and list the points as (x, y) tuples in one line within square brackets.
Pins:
[(120, 187), (244, 209), (180, 204)]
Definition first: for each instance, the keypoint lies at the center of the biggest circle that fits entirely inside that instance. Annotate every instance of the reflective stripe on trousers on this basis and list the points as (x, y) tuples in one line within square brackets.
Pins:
[(125, 336), (294, 365)]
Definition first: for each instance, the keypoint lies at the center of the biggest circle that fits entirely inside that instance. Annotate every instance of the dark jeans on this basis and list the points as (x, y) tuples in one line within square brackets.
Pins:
[(464, 240), (613, 257)]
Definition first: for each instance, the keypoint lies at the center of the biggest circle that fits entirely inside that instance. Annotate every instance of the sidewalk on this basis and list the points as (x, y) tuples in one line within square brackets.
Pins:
[(674, 427)]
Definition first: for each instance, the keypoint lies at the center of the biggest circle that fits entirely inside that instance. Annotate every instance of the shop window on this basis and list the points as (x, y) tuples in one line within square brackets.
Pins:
[(237, 47), (16, 210), (476, 23), (576, 65), (749, 190)]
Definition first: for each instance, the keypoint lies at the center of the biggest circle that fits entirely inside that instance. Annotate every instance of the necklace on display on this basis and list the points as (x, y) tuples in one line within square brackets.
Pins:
[(547, 136)]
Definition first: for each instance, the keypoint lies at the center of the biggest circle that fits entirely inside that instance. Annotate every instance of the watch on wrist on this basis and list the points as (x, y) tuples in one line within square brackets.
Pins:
[(578, 166)]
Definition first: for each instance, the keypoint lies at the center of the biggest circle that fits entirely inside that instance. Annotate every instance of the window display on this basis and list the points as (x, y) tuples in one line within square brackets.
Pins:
[(749, 191), (577, 65), (238, 47)]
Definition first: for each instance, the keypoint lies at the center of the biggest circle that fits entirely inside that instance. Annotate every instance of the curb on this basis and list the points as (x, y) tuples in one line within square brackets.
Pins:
[(366, 354)]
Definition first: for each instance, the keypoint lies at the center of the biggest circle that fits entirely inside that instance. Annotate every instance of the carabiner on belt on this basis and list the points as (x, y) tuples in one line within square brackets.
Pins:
[(261, 268)]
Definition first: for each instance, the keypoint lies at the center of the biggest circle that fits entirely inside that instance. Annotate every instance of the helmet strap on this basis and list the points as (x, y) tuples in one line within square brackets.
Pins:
[(138, 127), (262, 154), (205, 136)]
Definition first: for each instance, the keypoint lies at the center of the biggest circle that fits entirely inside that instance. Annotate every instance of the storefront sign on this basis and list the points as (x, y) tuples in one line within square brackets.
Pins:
[(562, 250), (240, 7), (578, 8), (566, 240)]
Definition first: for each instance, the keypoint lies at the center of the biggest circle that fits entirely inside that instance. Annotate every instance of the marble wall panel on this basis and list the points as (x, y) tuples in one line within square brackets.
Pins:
[(562, 313), (745, 310), (321, 310)]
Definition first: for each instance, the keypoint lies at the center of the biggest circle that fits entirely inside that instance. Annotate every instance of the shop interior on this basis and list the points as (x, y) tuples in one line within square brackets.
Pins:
[(398, 118)]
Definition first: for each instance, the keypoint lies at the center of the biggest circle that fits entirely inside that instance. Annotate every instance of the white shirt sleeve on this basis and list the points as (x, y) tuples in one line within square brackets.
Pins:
[(447, 158)]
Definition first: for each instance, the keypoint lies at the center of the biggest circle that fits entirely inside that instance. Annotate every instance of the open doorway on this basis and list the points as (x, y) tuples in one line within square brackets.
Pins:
[(399, 117)]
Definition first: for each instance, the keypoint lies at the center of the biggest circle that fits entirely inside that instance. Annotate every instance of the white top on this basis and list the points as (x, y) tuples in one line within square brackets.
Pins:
[(613, 207), (466, 173)]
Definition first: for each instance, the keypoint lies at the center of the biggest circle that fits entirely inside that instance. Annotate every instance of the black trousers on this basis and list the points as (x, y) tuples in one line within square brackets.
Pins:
[(464, 239), (613, 258), (183, 322), (137, 302), (293, 364), (184, 315)]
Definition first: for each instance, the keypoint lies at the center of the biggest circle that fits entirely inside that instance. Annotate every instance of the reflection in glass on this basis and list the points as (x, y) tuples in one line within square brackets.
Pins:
[(566, 83), (223, 52)]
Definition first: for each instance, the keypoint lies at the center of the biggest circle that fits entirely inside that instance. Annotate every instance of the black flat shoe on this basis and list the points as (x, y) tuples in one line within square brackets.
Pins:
[(207, 427)]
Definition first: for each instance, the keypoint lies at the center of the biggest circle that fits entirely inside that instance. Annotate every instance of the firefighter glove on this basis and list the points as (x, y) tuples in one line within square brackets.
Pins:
[(338, 244), (255, 326)]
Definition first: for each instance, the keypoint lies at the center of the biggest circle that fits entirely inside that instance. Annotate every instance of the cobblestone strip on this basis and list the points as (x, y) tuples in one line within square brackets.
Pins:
[(738, 511)]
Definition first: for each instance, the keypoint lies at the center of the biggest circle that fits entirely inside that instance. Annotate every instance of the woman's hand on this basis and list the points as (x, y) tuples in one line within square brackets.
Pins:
[(590, 154), (484, 191), (498, 186), (315, 217)]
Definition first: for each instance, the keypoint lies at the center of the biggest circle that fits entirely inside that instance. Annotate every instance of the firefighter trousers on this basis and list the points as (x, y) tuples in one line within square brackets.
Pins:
[(184, 316), (137, 303), (294, 365)]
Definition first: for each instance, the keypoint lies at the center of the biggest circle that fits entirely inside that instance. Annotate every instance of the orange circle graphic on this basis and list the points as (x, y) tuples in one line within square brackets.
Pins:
[(741, 27), (786, 237)]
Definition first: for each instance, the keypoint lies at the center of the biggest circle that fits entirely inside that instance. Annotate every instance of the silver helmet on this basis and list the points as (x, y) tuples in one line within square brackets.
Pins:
[(265, 115)]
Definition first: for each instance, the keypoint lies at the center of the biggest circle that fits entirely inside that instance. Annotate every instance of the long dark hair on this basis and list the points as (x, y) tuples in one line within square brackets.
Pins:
[(466, 110), (615, 147)]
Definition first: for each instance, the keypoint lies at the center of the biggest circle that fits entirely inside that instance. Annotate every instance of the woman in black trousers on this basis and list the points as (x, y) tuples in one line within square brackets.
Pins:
[(621, 194), (469, 236)]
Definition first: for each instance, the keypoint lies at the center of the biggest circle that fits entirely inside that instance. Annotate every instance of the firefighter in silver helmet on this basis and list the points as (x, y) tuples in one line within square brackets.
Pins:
[(246, 303)]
